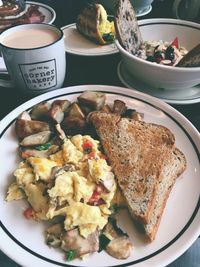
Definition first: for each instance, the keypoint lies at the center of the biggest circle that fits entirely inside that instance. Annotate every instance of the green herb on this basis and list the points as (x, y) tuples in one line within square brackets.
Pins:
[(44, 146), (103, 242), (70, 255), (108, 37)]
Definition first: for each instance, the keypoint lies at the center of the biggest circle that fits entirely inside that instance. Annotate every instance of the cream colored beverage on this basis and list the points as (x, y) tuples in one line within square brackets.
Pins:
[(30, 38), (35, 57)]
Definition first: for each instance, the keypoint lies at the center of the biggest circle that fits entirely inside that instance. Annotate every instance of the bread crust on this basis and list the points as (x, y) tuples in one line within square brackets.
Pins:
[(174, 167)]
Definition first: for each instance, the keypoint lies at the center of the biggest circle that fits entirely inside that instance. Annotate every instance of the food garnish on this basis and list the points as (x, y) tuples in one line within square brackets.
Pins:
[(93, 23)]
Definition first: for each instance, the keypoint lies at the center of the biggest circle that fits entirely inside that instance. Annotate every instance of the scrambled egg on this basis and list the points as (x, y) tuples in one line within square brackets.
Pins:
[(105, 26), (76, 182)]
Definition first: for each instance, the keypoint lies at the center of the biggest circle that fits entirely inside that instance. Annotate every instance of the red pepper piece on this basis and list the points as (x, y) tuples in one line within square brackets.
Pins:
[(175, 43), (96, 199), (87, 146), (29, 213)]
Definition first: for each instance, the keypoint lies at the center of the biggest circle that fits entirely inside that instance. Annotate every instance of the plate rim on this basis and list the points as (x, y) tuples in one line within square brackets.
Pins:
[(159, 104), (72, 52), (49, 8), (169, 101)]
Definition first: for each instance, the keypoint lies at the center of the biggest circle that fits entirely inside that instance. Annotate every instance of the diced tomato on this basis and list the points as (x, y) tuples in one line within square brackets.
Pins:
[(175, 43), (96, 199), (29, 213), (87, 146)]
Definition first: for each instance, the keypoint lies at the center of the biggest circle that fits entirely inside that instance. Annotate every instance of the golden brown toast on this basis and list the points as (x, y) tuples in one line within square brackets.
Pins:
[(145, 161), (137, 151)]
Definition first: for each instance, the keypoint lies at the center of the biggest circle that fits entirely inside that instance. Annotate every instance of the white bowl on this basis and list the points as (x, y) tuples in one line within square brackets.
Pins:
[(161, 76)]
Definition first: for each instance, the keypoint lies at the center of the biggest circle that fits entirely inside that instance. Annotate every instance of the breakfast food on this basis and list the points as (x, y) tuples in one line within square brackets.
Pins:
[(11, 9), (156, 51), (32, 14), (81, 160), (147, 172), (165, 53), (126, 26), (93, 23), (66, 179)]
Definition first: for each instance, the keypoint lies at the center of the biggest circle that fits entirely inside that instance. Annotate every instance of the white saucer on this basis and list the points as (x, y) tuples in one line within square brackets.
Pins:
[(77, 44), (182, 97), (47, 11), (144, 11)]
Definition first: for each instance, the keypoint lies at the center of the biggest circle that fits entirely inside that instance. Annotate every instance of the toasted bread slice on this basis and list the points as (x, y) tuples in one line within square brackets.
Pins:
[(126, 27), (173, 167), (191, 59), (137, 152), (93, 23)]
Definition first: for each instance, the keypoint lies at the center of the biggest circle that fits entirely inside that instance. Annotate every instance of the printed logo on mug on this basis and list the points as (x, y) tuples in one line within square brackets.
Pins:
[(34, 55)]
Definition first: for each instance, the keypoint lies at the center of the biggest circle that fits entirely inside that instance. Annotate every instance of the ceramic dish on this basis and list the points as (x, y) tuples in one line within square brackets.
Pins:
[(47, 11), (23, 240), (144, 11), (77, 44), (158, 75), (183, 97)]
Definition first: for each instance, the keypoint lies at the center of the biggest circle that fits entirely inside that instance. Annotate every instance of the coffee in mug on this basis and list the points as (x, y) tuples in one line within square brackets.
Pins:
[(34, 55)]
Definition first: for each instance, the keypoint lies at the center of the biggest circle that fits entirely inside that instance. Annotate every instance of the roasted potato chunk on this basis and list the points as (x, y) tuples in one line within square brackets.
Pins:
[(94, 100), (25, 128)]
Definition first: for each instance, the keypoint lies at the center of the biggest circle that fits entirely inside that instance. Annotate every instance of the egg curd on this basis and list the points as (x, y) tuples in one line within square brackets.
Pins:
[(76, 182)]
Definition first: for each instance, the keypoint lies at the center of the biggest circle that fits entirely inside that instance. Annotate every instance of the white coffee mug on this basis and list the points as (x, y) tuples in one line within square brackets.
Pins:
[(34, 56), (186, 9)]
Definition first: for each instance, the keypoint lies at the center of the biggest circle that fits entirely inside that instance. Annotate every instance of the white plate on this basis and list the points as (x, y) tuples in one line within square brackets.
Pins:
[(23, 240), (182, 97), (77, 44), (47, 11), (144, 11)]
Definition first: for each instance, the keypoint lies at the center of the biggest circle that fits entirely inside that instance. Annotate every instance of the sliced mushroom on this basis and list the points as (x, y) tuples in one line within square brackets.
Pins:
[(72, 240), (56, 171), (30, 152), (108, 182), (25, 128), (120, 247), (36, 139), (40, 111), (95, 100), (119, 107), (53, 234)]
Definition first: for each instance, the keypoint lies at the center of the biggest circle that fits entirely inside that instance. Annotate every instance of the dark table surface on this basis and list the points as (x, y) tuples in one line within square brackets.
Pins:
[(99, 70)]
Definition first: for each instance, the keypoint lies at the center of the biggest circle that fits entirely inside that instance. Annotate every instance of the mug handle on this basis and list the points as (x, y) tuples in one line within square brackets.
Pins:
[(3, 72)]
